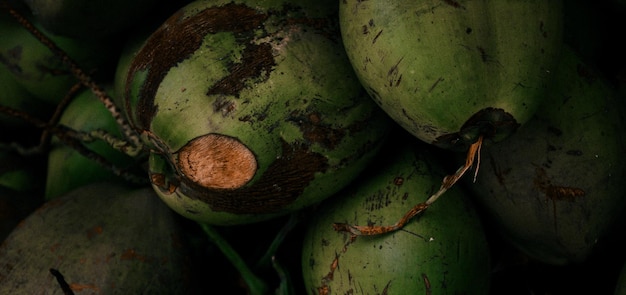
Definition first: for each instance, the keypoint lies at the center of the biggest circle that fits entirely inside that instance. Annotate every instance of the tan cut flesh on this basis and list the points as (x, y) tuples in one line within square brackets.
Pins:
[(217, 161)]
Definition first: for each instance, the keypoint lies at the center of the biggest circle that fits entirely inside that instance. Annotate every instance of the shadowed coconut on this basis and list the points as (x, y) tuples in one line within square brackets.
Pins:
[(217, 161)]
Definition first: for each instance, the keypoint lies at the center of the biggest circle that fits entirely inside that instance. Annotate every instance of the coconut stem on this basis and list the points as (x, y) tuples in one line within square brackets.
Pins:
[(473, 155), (84, 78), (268, 259), (256, 286)]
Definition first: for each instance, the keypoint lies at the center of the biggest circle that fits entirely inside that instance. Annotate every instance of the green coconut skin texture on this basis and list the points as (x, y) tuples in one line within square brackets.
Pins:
[(35, 68), (13, 95), (443, 251), (556, 187), (67, 168), (451, 71), (251, 109), (104, 239)]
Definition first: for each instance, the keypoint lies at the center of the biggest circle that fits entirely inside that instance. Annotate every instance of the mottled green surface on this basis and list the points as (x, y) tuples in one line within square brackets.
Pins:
[(443, 251), (37, 69), (556, 187), (432, 65), (273, 76), (68, 169)]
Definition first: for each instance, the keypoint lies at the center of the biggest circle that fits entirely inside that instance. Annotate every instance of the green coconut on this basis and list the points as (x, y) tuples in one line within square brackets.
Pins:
[(450, 72), (251, 109), (555, 188), (102, 238), (443, 251)]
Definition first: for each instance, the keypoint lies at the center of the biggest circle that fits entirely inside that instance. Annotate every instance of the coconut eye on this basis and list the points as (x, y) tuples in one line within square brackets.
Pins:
[(217, 161)]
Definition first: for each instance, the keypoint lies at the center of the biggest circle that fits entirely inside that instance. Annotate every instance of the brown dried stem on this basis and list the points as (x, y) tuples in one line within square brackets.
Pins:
[(473, 155), (83, 77), (70, 137)]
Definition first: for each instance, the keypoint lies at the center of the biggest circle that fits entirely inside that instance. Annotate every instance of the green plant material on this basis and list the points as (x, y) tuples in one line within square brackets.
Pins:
[(67, 168), (555, 187), (134, 43), (452, 71), (253, 111), (285, 286), (20, 173), (37, 69), (13, 95), (255, 285), (268, 259), (102, 238), (443, 251)]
